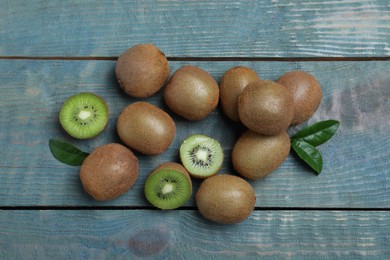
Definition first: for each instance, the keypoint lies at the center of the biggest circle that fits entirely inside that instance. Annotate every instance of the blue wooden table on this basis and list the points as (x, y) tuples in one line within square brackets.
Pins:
[(50, 50)]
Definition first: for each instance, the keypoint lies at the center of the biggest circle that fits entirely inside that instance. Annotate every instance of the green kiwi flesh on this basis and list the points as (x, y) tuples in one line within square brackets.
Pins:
[(168, 186), (201, 155), (255, 156), (84, 115), (225, 199), (109, 171)]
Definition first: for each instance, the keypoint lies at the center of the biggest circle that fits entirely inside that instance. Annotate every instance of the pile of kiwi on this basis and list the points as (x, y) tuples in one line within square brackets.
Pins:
[(266, 108)]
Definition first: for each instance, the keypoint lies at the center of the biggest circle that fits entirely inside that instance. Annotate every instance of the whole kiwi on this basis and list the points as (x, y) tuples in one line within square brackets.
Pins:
[(306, 92), (142, 70), (225, 199), (266, 107), (146, 128), (109, 171), (254, 156), (191, 93), (232, 84)]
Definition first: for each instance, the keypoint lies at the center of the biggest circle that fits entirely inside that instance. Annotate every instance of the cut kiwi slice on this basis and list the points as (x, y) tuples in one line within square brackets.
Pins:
[(84, 115), (201, 155), (168, 188)]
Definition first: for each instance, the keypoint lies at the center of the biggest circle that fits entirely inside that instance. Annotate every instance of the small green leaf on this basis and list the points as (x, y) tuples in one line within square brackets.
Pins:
[(308, 153), (67, 153), (318, 133)]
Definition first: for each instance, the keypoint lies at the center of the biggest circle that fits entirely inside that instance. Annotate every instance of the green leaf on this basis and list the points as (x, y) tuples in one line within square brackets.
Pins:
[(67, 153), (308, 153), (318, 133)]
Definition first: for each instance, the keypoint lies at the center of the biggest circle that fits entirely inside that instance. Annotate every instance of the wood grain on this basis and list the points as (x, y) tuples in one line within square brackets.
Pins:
[(186, 235), (356, 166), (197, 28)]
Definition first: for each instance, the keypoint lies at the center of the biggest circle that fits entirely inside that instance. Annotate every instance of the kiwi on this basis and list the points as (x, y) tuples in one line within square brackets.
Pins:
[(191, 93), (84, 115), (201, 155), (142, 70), (266, 107), (146, 128), (168, 186), (225, 199), (109, 171), (254, 156), (306, 92), (232, 84)]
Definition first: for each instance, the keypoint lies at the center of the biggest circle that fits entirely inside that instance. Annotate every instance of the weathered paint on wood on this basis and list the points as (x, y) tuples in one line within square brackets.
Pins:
[(357, 169), (196, 28), (356, 166), (131, 234)]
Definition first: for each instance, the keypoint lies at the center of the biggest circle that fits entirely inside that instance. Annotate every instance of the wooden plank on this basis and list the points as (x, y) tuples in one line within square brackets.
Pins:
[(197, 28), (186, 235), (356, 166)]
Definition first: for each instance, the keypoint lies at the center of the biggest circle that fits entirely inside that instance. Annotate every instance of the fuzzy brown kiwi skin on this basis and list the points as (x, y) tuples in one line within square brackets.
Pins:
[(142, 70), (225, 199), (232, 84), (191, 93), (255, 156), (146, 128), (306, 92), (173, 166), (266, 107), (109, 171)]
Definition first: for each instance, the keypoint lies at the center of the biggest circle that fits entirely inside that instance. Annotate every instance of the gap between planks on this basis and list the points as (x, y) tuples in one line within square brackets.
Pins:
[(212, 59), (184, 208)]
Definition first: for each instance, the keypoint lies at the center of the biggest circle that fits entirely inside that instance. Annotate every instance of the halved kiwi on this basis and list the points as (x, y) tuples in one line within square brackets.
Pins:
[(168, 186), (201, 155), (84, 115)]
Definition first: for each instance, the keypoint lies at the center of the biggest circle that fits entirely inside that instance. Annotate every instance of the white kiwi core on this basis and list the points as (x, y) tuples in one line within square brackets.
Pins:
[(167, 188), (84, 114)]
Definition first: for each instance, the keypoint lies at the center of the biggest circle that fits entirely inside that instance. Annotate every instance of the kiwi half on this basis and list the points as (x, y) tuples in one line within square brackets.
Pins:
[(168, 186), (84, 115), (201, 155)]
